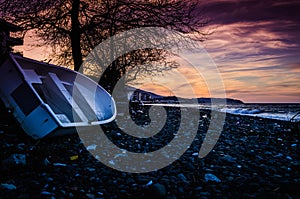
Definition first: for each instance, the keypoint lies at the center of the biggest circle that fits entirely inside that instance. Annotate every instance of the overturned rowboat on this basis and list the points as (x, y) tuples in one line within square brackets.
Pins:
[(51, 100)]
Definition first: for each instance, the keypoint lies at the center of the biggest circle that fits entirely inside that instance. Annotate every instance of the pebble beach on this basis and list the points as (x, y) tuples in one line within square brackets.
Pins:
[(253, 158)]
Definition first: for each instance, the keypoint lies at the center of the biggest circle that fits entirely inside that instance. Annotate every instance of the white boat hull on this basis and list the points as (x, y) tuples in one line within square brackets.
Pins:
[(50, 100)]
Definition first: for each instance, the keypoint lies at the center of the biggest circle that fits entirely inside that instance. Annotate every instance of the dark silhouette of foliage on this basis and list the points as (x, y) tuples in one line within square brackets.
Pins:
[(74, 27)]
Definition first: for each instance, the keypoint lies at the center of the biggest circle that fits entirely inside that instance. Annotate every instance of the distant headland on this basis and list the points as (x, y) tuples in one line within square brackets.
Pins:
[(139, 95)]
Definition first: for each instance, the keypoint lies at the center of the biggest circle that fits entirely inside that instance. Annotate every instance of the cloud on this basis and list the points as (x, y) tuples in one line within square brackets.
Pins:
[(232, 11), (294, 66), (256, 46)]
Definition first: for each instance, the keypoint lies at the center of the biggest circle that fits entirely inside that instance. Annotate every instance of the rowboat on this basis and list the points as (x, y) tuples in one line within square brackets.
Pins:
[(49, 100)]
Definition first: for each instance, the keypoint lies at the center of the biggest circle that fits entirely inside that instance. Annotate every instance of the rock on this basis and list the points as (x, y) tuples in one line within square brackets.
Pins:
[(262, 159), (46, 193), (8, 186), (59, 164), (91, 196), (156, 191), (130, 181), (111, 162), (181, 190), (91, 169), (289, 157), (100, 193), (190, 166), (182, 177), (15, 160), (211, 177), (228, 158), (91, 147), (149, 183), (195, 154)]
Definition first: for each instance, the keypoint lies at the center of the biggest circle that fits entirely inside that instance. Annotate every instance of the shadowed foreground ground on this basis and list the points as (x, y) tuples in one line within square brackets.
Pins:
[(254, 158)]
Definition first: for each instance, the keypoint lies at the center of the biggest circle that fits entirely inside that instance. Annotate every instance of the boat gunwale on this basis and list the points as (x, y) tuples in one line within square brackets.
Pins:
[(14, 58)]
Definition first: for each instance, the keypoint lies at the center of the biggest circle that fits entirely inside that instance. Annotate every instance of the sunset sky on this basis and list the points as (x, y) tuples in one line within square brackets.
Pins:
[(255, 45)]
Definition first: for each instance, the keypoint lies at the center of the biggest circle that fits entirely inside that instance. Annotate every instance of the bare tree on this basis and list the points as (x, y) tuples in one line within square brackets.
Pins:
[(74, 27)]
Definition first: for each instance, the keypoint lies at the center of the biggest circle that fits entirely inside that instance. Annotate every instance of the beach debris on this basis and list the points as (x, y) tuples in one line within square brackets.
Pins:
[(8, 186), (74, 157), (211, 177)]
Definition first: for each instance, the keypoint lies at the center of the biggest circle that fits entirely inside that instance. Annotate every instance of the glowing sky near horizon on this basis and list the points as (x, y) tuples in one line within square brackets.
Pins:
[(255, 45)]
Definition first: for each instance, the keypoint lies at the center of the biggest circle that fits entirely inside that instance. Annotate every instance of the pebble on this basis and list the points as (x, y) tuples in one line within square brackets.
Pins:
[(195, 154), (149, 183), (289, 157), (46, 193), (91, 147), (248, 158), (91, 196), (15, 160), (211, 177), (91, 169), (156, 191), (8, 186), (182, 177), (59, 165)]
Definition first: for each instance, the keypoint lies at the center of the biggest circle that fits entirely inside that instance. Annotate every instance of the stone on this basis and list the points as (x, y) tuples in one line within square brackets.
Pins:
[(211, 177), (91, 196), (156, 191), (182, 177), (8, 186), (15, 160)]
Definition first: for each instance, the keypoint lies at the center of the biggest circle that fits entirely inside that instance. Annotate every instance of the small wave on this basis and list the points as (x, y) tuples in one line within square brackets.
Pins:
[(241, 111), (280, 115), (255, 111)]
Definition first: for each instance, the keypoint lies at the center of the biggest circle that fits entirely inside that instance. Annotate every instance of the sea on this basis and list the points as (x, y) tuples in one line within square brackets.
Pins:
[(278, 111), (286, 112)]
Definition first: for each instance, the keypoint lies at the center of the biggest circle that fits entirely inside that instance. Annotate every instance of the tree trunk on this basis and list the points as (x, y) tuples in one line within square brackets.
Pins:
[(110, 78), (75, 36)]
